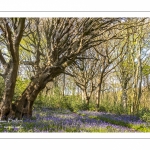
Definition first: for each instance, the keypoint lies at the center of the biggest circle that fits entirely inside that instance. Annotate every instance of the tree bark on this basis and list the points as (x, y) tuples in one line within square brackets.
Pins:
[(64, 84), (10, 81), (124, 96), (23, 107), (99, 91), (10, 76), (86, 98)]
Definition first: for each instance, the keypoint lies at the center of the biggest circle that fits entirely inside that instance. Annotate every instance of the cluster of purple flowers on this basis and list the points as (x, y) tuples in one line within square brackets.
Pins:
[(50, 120), (125, 118), (64, 121)]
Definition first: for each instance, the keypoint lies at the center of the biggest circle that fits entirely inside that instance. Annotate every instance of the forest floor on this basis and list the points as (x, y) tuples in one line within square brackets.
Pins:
[(57, 120)]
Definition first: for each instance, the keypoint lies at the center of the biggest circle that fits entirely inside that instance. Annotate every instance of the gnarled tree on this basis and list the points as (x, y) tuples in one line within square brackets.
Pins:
[(11, 32), (53, 43)]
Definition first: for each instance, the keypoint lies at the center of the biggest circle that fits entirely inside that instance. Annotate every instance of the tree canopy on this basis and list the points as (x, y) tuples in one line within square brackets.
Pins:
[(36, 51)]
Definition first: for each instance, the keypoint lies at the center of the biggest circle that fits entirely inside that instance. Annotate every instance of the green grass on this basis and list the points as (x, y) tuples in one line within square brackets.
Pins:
[(136, 127)]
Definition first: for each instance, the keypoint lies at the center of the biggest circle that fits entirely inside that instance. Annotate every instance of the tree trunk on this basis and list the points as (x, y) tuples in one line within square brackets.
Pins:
[(10, 81), (25, 104), (83, 96), (124, 99), (86, 98), (88, 101), (99, 92), (124, 96), (23, 107), (64, 84), (12, 38), (139, 89)]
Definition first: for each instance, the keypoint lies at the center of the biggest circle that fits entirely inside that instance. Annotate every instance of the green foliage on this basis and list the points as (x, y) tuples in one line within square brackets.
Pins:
[(56, 101), (144, 114), (107, 106), (21, 84), (1, 87), (136, 127), (146, 117), (92, 107), (102, 109), (146, 70), (74, 103), (69, 102)]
